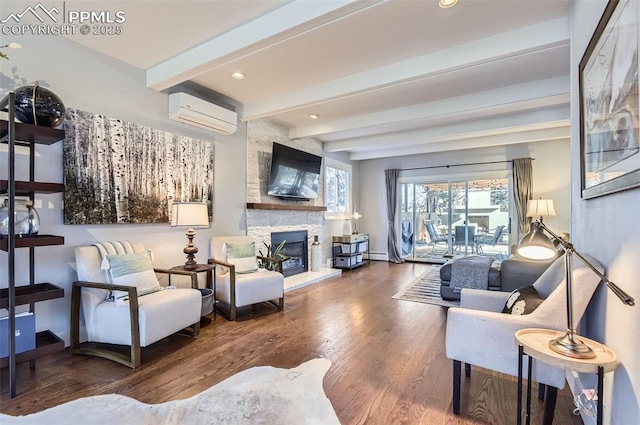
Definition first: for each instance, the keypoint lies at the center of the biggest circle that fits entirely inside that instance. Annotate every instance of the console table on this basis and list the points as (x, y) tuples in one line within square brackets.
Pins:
[(534, 343), (350, 251)]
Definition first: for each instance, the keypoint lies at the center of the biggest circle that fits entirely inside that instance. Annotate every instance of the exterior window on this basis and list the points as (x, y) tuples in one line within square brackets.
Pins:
[(337, 188)]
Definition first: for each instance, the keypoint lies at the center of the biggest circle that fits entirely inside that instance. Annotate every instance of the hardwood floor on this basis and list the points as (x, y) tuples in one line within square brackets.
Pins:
[(389, 364)]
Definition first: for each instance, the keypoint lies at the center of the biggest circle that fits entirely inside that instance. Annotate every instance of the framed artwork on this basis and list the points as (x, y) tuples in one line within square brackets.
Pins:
[(121, 172), (609, 103)]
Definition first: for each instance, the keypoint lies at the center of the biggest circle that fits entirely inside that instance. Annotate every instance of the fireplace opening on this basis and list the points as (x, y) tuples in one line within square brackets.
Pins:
[(295, 248)]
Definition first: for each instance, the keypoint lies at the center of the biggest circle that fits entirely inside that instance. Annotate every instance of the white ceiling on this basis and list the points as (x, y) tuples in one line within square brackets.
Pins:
[(386, 77)]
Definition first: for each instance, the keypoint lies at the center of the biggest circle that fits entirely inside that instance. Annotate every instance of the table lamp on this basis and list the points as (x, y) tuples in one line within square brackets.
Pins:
[(189, 214), (540, 208), (356, 215), (536, 246)]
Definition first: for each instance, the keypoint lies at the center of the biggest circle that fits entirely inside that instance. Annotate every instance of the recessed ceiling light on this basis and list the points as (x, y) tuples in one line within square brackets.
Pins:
[(238, 75), (314, 116), (447, 3)]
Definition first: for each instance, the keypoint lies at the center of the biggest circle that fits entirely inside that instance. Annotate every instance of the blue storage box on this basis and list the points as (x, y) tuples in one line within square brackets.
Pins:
[(25, 333)]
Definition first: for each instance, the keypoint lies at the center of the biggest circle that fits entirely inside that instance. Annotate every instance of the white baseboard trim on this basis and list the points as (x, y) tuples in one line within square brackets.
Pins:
[(379, 256), (66, 336)]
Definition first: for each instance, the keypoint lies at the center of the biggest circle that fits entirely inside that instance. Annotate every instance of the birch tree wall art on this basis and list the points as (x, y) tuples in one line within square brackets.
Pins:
[(120, 172)]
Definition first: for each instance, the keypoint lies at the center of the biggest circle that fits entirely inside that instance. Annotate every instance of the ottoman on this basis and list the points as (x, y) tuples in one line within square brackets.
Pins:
[(445, 278)]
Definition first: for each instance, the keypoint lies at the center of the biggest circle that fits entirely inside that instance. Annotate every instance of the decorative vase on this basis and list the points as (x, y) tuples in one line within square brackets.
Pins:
[(27, 221), (346, 227), (39, 106), (316, 252)]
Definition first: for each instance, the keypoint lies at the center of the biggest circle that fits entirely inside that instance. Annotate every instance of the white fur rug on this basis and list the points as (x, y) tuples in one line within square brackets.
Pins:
[(261, 395)]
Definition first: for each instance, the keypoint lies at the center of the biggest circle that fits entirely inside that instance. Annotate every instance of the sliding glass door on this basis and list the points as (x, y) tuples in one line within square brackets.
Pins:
[(459, 216)]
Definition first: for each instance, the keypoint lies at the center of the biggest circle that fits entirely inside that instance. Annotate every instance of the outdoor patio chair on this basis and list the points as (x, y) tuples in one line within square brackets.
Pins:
[(485, 240), (435, 237), (463, 238)]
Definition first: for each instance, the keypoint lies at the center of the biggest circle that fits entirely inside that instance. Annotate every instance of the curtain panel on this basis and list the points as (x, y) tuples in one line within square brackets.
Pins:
[(522, 189), (391, 180)]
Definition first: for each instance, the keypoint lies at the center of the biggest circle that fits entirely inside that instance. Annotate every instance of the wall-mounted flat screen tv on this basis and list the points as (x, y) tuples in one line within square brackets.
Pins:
[(294, 173)]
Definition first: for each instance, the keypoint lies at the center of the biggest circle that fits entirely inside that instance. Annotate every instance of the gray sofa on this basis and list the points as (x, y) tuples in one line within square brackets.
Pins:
[(504, 276)]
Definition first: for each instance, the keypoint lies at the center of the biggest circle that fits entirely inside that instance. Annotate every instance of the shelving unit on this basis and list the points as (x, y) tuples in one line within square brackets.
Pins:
[(19, 134), (350, 251)]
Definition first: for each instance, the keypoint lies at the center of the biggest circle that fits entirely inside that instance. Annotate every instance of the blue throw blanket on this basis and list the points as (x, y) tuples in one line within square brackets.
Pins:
[(470, 272)]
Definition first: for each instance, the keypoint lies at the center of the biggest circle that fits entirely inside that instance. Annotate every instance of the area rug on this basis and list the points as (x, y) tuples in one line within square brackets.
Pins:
[(261, 395), (426, 290)]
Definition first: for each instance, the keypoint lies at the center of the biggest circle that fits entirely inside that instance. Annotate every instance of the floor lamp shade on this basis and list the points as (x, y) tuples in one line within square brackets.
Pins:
[(190, 214), (534, 245)]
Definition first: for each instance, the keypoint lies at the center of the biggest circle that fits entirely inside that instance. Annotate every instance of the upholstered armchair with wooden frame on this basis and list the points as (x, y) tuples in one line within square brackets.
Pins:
[(236, 288), (138, 322)]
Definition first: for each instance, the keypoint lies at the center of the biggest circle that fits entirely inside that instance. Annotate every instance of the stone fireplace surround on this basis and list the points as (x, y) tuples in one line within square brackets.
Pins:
[(261, 134), (261, 223)]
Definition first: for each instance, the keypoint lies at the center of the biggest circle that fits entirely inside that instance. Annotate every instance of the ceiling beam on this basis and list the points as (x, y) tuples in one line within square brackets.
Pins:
[(525, 136), (546, 35), (468, 129), (290, 20), (537, 94)]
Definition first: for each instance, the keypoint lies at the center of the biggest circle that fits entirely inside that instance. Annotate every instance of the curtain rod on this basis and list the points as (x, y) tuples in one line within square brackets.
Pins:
[(459, 165)]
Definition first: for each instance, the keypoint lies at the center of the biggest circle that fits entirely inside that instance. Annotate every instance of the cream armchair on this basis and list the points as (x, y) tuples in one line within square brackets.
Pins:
[(138, 322), (234, 290), (479, 334)]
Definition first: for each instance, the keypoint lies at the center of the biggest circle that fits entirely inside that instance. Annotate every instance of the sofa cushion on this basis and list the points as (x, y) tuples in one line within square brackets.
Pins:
[(135, 269), (243, 256), (160, 314), (523, 300)]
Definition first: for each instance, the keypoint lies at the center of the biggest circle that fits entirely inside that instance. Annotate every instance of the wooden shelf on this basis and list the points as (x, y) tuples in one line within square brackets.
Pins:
[(32, 133), (28, 136), (260, 206), (31, 294), (46, 343), (34, 241), (26, 188)]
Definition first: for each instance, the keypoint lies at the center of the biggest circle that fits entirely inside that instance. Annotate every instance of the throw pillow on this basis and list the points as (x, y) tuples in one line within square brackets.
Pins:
[(523, 300), (243, 256), (133, 270)]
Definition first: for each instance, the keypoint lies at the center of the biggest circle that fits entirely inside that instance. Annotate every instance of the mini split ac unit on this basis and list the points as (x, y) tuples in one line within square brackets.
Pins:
[(200, 113)]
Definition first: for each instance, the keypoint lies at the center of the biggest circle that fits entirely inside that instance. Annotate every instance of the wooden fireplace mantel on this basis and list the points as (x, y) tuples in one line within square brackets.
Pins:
[(260, 206)]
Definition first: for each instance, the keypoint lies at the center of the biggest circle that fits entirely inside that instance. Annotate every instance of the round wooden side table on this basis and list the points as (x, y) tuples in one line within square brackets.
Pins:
[(534, 343)]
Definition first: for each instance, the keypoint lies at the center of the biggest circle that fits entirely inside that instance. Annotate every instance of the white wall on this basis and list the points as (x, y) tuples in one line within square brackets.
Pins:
[(607, 228), (93, 82), (335, 226), (550, 173)]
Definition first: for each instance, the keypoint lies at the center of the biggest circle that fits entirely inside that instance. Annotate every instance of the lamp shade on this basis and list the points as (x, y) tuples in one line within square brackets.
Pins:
[(189, 214), (356, 215), (534, 245), (540, 208)]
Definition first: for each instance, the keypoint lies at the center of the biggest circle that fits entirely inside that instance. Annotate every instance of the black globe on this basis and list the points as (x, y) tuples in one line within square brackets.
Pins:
[(39, 106)]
